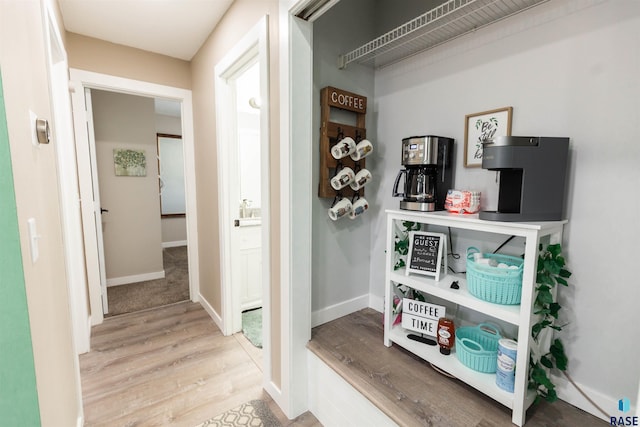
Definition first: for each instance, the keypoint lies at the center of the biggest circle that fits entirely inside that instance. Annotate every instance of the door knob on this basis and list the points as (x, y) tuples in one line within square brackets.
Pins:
[(103, 210)]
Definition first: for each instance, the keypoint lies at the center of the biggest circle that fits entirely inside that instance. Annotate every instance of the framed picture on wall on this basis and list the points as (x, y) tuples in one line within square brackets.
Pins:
[(129, 162), (481, 127)]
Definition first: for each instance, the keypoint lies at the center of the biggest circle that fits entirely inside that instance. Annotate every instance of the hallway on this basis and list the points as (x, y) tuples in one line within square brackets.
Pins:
[(169, 366)]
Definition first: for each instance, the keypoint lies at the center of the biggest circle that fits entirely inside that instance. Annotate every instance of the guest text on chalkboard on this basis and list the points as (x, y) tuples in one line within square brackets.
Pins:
[(426, 253)]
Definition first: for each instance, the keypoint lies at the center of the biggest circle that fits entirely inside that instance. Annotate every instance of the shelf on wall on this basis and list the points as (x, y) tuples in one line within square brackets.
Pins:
[(461, 296), (451, 19), (486, 383)]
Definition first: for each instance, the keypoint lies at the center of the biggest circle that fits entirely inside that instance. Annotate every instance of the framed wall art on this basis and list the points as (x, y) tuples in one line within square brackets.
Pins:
[(481, 127), (129, 162)]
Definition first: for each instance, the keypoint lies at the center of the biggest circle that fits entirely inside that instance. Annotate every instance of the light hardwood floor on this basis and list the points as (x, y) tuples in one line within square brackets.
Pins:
[(409, 391), (169, 366)]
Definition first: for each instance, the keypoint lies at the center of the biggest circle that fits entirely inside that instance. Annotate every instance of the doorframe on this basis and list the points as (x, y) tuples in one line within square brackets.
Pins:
[(81, 79), (254, 43), (296, 154), (57, 68)]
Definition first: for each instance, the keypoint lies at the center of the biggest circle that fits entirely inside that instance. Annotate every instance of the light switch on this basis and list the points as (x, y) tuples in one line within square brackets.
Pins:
[(33, 239)]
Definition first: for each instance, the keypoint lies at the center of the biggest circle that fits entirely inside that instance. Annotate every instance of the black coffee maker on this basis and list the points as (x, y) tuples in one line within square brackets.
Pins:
[(428, 162)]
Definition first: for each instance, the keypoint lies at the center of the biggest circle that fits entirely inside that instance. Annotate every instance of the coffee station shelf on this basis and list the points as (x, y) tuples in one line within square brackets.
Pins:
[(442, 289), (521, 315), (451, 19)]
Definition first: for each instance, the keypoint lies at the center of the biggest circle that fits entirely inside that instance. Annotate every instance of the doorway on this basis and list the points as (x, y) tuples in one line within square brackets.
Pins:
[(242, 100), (82, 80), (143, 206)]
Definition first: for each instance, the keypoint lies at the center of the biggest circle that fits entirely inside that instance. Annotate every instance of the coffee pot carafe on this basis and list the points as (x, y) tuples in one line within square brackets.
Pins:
[(428, 172), (419, 187)]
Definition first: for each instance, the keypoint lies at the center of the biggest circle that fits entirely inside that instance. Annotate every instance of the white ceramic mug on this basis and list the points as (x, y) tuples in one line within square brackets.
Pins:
[(342, 208), (343, 148), (362, 177), (362, 150), (344, 177), (359, 207)]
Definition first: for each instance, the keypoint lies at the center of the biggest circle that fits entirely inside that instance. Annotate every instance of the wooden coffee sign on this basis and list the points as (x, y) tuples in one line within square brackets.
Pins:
[(427, 253), (346, 100)]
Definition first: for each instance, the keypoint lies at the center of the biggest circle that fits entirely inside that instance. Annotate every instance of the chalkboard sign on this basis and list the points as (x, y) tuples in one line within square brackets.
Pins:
[(427, 253)]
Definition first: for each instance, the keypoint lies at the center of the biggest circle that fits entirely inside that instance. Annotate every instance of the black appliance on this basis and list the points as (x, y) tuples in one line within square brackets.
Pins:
[(428, 172), (533, 172)]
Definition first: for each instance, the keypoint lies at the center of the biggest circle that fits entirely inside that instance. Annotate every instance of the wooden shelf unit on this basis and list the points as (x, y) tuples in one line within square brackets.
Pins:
[(519, 315)]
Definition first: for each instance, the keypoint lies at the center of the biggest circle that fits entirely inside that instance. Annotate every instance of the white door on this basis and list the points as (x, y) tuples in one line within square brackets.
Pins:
[(97, 209), (246, 242), (90, 200)]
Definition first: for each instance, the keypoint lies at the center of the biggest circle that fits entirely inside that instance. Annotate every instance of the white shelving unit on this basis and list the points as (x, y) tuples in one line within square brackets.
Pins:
[(451, 19), (518, 315)]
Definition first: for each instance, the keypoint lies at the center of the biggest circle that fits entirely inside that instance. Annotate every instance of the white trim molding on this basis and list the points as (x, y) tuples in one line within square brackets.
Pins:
[(567, 392), (335, 402), (81, 79), (174, 244), (212, 312), (296, 94), (136, 278), (327, 314)]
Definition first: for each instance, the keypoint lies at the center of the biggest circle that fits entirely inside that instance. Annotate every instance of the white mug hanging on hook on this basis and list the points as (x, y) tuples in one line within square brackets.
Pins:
[(343, 148), (344, 176), (358, 207), (362, 150), (341, 207), (361, 179)]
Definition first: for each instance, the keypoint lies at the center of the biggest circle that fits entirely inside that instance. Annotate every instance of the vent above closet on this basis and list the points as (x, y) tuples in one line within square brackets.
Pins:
[(451, 19)]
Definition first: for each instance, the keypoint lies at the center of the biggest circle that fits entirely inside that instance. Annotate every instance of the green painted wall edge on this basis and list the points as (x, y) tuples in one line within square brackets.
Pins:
[(18, 393)]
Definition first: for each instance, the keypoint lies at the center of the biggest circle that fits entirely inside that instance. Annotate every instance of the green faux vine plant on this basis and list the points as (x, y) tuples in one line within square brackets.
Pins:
[(402, 242), (550, 272), (401, 250)]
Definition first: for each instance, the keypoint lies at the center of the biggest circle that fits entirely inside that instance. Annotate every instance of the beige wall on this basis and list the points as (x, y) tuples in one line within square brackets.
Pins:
[(131, 228), (22, 56), (173, 229), (240, 18), (87, 53)]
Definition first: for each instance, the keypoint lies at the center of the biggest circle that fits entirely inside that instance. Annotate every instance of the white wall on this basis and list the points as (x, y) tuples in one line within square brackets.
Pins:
[(131, 228), (340, 249), (568, 69)]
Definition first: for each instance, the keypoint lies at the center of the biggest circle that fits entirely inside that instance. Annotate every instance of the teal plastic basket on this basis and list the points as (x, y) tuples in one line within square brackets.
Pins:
[(493, 284), (477, 347)]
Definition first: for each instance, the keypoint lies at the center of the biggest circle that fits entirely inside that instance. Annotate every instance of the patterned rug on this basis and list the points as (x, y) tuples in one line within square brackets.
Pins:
[(255, 413)]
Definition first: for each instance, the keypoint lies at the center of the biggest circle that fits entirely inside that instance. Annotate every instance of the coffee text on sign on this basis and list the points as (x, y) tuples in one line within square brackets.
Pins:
[(347, 100)]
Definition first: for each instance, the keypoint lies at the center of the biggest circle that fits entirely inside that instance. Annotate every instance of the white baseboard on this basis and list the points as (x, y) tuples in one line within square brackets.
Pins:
[(335, 402), (174, 244), (275, 392), (567, 392), (209, 309), (117, 281), (336, 311)]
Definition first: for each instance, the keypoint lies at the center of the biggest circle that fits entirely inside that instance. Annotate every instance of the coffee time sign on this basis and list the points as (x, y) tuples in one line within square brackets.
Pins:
[(421, 316)]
